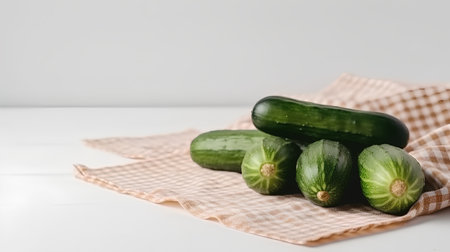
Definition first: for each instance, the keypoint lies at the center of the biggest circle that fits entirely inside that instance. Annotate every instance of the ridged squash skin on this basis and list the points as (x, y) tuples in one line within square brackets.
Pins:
[(324, 170), (223, 149), (269, 167), (391, 179), (309, 122)]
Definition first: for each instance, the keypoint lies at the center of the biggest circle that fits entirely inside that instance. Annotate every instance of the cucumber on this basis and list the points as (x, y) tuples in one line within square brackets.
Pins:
[(300, 120), (324, 170), (223, 149), (269, 167), (391, 179)]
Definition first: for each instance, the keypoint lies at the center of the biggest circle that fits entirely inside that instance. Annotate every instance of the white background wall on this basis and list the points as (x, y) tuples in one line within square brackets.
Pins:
[(144, 52)]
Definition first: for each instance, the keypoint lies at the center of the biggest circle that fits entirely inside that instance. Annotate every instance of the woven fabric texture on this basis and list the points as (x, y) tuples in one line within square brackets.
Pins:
[(166, 173)]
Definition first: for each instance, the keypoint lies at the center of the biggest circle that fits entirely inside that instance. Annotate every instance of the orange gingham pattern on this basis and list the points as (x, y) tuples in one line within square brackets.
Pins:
[(168, 174)]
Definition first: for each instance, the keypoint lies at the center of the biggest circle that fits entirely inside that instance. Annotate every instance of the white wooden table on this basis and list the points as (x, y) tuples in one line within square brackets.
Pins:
[(44, 208)]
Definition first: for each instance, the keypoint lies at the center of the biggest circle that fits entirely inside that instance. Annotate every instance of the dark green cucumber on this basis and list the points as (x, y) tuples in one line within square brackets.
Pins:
[(391, 179), (269, 167), (300, 120), (324, 170), (223, 149)]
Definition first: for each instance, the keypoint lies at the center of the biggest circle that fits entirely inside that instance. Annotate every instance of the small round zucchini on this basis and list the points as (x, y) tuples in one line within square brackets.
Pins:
[(269, 167), (323, 172), (391, 179)]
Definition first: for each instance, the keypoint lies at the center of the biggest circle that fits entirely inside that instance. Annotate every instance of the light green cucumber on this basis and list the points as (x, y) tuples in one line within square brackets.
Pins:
[(391, 179), (269, 167)]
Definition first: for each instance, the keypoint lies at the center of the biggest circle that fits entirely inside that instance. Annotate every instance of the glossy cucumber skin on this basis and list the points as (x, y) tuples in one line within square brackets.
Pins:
[(223, 149), (324, 166), (300, 120), (281, 155), (379, 166)]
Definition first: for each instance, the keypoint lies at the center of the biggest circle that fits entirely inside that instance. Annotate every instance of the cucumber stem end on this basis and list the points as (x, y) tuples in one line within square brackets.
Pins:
[(323, 196), (267, 169), (398, 187)]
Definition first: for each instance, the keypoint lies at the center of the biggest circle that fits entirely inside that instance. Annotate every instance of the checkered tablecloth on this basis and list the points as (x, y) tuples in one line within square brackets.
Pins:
[(166, 173)]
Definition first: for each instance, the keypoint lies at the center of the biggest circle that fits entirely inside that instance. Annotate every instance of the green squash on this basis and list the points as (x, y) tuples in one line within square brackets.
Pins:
[(391, 179), (324, 170), (269, 167)]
